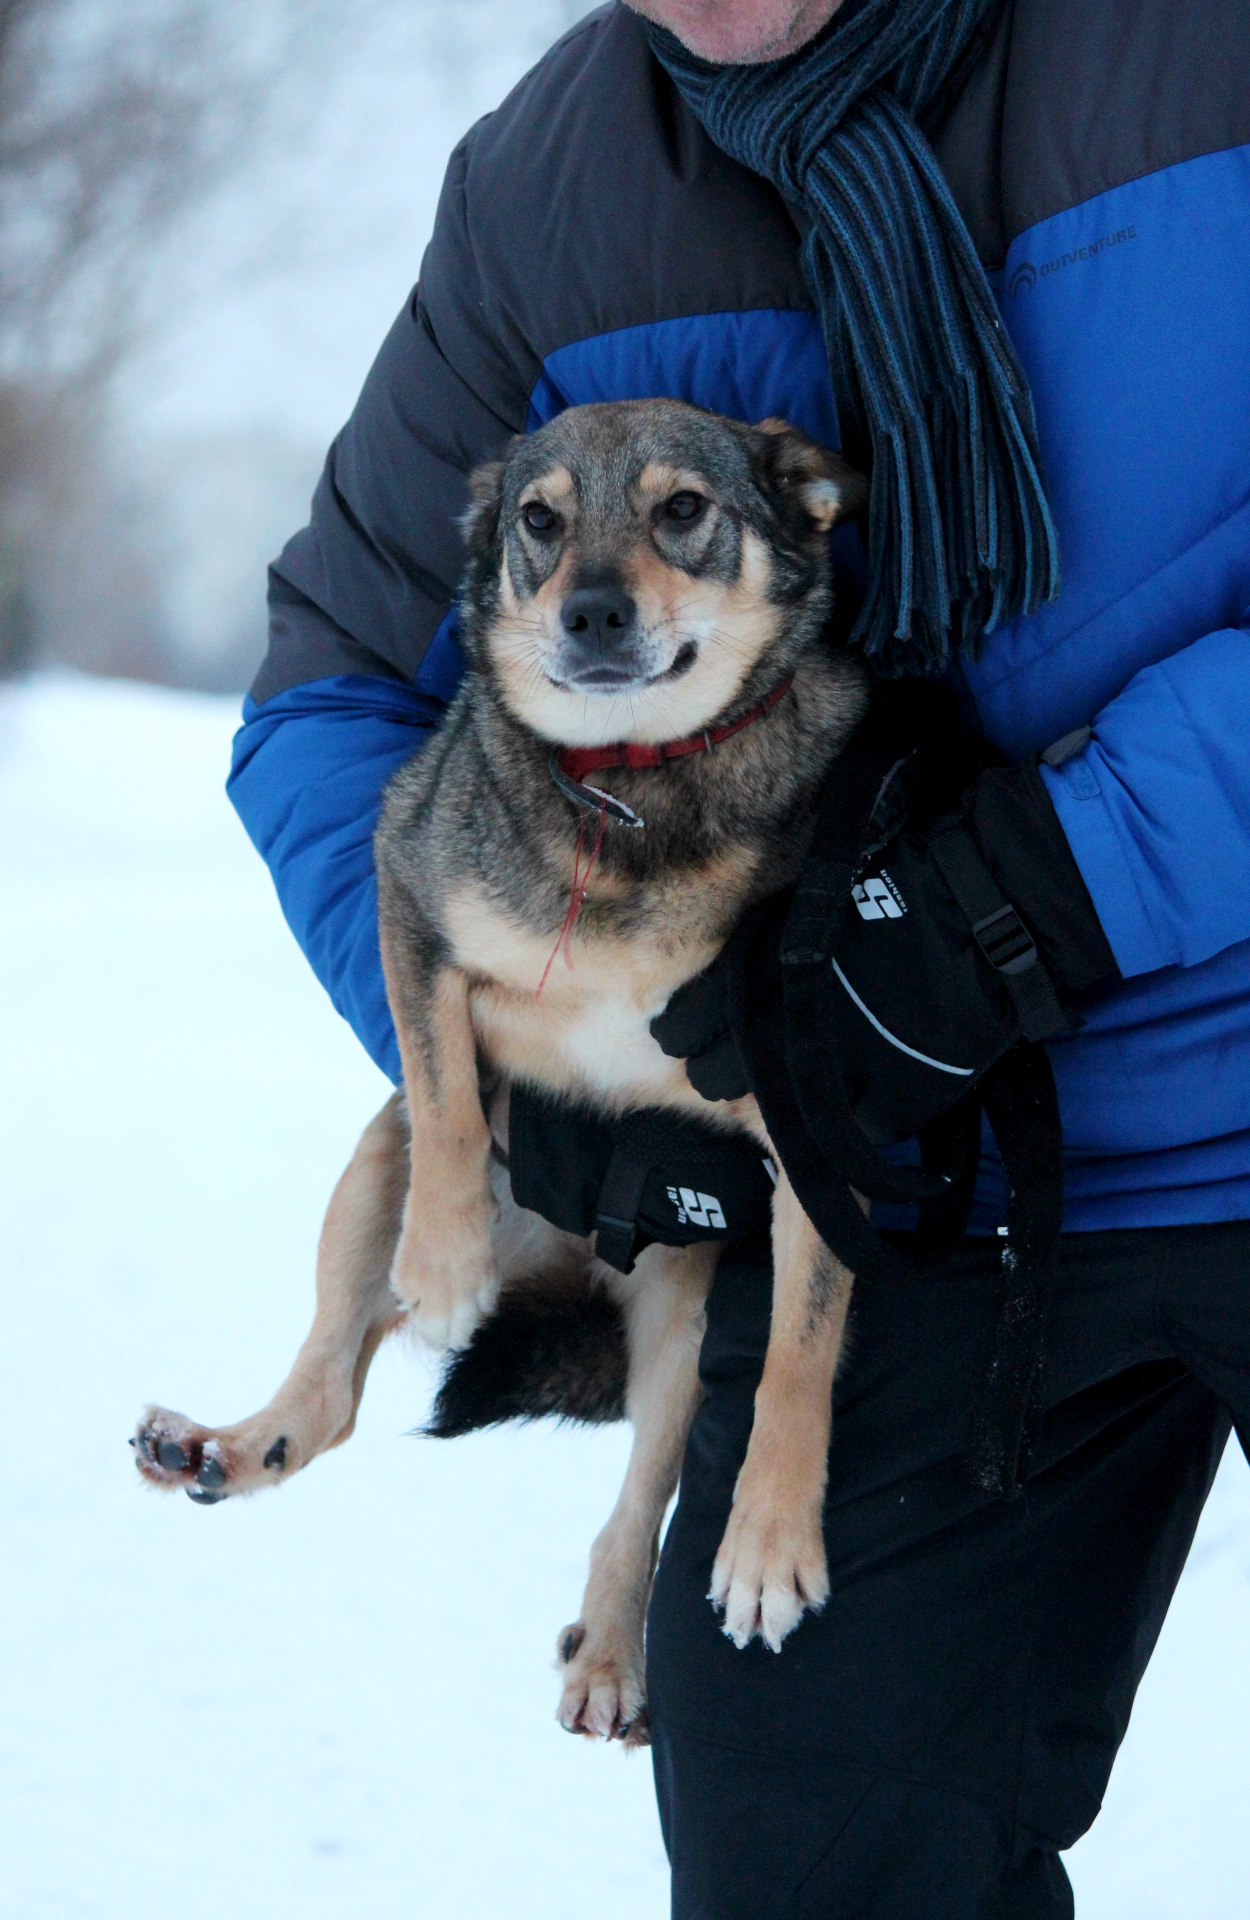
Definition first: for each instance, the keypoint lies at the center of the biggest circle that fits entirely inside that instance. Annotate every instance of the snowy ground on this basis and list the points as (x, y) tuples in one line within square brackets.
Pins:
[(335, 1701)]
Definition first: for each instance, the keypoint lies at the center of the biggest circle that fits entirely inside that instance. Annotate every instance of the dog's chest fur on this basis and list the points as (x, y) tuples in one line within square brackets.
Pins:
[(588, 1031), (476, 859)]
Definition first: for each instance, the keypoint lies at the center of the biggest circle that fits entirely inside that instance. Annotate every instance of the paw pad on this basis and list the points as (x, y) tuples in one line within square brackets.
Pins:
[(188, 1462)]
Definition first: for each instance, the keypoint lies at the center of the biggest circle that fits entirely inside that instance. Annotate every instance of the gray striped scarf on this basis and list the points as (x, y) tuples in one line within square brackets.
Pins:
[(960, 536)]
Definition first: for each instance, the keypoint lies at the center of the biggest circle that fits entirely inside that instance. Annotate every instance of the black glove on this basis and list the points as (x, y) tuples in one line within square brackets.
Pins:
[(953, 938), (962, 937)]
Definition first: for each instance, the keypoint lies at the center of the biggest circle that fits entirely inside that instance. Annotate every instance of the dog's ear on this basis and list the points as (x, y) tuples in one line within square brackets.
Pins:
[(794, 468), (479, 524)]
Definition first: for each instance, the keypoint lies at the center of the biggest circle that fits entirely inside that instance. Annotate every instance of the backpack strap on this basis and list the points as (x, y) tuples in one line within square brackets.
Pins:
[(998, 930), (1022, 1107), (616, 1213)]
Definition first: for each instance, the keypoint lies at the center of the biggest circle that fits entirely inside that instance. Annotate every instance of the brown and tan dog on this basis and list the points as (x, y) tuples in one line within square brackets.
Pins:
[(637, 572)]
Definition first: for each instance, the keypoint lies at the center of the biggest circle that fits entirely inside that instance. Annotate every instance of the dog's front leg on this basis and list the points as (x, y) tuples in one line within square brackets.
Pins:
[(444, 1271), (771, 1563), (602, 1653)]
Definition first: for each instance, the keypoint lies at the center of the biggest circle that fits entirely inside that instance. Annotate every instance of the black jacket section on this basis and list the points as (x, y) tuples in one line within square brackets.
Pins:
[(592, 201)]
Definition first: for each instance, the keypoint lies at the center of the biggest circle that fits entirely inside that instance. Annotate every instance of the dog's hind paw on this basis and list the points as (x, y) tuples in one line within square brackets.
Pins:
[(603, 1695), (769, 1572), (173, 1452)]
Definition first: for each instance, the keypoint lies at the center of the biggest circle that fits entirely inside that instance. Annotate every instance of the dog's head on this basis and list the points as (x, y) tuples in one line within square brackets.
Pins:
[(636, 568)]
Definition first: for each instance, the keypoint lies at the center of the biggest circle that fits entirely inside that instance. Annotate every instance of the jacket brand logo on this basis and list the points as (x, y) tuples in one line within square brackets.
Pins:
[(1026, 275), (879, 899), (700, 1209)]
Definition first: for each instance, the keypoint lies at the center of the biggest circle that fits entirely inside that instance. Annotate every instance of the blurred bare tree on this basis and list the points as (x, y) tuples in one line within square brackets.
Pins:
[(120, 120), (113, 120)]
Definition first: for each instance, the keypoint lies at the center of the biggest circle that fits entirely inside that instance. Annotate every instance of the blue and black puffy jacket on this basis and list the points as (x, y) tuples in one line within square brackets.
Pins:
[(591, 244)]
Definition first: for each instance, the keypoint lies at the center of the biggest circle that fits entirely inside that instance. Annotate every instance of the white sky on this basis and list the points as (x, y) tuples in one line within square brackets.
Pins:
[(282, 290)]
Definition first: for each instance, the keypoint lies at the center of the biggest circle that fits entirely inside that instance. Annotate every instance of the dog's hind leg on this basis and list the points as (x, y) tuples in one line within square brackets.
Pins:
[(602, 1652), (315, 1408)]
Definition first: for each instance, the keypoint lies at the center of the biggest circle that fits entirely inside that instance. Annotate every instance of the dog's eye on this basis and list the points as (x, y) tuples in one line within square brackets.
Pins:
[(685, 506), (538, 518)]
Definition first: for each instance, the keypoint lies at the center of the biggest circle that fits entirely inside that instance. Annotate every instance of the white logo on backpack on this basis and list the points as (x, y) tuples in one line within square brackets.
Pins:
[(700, 1209), (879, 899)]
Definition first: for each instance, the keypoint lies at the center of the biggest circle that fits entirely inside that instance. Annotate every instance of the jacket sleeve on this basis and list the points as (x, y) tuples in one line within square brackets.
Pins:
[(307, 779), (362, 653), (1157, 807)]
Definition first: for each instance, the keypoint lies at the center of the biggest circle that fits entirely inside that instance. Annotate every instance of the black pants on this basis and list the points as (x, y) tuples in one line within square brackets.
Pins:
[(923, 1748)]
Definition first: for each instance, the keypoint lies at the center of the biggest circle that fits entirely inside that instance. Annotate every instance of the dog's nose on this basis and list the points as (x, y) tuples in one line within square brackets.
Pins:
[(598, 617)]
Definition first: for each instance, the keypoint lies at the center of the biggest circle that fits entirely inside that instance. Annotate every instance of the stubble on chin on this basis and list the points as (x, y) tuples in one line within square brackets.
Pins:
[(739, 32)]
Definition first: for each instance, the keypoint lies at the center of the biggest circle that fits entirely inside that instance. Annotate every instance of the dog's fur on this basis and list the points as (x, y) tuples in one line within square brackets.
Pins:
[(709, 540)]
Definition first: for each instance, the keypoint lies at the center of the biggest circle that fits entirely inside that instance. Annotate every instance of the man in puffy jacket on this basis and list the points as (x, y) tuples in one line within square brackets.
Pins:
[(929, 1743)]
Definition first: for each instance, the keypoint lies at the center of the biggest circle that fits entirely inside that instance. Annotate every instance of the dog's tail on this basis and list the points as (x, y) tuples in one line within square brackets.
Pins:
[(539, 1353)]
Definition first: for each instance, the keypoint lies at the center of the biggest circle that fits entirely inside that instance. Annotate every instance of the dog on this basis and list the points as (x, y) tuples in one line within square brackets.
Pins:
[(648, 573)]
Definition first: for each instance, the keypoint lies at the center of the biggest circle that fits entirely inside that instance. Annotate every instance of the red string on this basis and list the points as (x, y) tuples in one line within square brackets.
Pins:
[(577, 892)]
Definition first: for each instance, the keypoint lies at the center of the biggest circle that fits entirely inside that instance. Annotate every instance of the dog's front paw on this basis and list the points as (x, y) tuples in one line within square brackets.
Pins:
[(207, 1464), (771, 1566), (603, 1695), (449, 1284)]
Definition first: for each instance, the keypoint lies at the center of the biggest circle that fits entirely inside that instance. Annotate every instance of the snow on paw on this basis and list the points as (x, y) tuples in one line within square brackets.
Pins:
[(603, 1696), (174, 1453), (769, 1572)]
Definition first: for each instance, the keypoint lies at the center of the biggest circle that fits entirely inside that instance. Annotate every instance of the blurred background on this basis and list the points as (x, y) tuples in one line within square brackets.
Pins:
[(338, 1700), (209, 215)]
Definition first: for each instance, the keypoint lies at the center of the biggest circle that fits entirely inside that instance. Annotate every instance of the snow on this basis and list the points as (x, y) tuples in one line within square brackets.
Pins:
[(337, 1699)]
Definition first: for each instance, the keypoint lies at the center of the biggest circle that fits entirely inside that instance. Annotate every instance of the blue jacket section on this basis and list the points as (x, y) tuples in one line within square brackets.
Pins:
[(748, 365), (1157, 808), (307, 779), (1141, 376), (1131, 313)]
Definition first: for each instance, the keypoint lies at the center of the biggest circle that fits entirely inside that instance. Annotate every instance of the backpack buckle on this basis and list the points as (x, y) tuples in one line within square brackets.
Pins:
[(1005, 941)]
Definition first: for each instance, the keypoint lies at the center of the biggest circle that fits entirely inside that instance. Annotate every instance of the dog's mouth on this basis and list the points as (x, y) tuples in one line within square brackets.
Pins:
[(621, 677)]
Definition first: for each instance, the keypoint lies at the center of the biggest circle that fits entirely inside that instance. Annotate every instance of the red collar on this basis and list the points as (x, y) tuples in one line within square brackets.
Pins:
[(568, 764), (577, 762)]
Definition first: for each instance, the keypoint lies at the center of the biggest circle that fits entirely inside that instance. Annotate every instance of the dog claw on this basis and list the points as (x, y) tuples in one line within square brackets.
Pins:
[(603, 1696), (636, 1732), (276, 1456)]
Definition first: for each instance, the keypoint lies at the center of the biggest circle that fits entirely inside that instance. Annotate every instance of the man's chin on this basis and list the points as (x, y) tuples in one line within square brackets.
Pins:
[(739, 32)]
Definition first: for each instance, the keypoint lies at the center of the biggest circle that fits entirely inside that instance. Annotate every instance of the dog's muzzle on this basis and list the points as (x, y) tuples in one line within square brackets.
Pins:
[(602, 649)]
